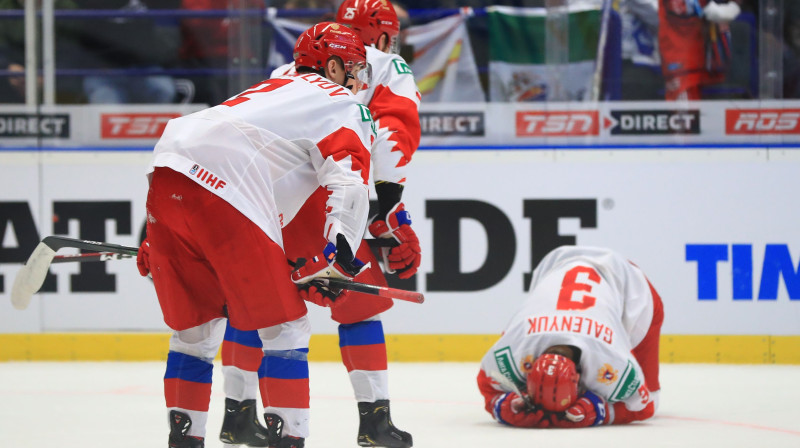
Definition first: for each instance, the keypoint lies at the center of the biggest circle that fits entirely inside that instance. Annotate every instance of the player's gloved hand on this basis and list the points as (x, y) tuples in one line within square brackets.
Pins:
[(322, 295), (588, 410), (721, 12), (513, 410), (406, 256), (336, 261), (143, 258)]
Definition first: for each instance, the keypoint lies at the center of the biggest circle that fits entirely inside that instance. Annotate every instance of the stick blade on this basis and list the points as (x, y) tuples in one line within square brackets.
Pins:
[(31, 277)]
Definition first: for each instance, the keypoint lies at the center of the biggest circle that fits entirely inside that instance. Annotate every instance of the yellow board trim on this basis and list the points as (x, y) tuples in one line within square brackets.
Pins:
[(725, 349)]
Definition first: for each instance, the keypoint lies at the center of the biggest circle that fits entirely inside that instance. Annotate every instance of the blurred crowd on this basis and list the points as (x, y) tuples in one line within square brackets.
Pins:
[(670, 49)]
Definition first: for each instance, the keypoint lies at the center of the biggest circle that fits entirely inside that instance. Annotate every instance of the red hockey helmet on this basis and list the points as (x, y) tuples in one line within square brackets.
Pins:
[(553, 382), (326, 39), (370, 19)]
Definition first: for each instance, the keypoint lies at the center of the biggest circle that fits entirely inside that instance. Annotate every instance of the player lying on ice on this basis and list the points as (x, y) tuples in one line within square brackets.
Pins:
[(582, 350)]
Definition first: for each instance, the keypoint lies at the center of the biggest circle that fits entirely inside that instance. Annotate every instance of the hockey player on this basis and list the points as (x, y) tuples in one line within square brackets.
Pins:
[(694, 44), (222, 181), (393, 100), (582, 350)]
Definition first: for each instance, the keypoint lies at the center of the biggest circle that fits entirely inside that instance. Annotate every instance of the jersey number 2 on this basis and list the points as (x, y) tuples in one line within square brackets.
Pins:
[(266, 86), (571, 285)]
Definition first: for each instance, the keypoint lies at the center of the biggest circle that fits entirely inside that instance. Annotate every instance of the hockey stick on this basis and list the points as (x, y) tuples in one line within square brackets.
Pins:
[(508, 384), (383, 291), (106, 256), (94, 256), (31, 277)]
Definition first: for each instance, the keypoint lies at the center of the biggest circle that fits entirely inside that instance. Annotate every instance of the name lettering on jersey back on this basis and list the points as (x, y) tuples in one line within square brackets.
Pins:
[(571, 324), (210, 180), (325, 84)]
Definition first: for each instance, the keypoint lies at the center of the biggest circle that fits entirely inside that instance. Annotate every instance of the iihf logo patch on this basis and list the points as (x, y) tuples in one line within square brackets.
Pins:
[(606, 374), (194, 169), (527, 364)]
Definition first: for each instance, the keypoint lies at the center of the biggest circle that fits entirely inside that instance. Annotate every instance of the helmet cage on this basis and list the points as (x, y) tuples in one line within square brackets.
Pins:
[(360, 72)]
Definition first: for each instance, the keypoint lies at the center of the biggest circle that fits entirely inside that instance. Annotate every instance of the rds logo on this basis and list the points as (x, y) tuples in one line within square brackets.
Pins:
[(777, 264)]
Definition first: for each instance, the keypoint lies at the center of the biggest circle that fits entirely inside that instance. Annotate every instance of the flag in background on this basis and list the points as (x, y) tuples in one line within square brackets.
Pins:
[(444, 65), (284, 37), (536, 57)]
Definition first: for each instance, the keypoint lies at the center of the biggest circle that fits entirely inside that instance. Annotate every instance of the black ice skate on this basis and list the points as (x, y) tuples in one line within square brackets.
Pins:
[(241, 426), (376, 427), (275, 429), (179, 424), (291, 442)]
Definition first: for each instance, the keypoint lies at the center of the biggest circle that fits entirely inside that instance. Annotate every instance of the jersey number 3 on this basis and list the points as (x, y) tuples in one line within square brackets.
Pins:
[(571, 285)]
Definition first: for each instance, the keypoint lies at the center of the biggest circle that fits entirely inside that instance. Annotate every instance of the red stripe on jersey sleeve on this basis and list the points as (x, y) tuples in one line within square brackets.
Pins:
[(345, 142), (623, 415), (399, 115), (486, 387)]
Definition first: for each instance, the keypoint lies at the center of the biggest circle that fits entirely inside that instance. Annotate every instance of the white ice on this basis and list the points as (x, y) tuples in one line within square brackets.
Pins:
[(120, 405)]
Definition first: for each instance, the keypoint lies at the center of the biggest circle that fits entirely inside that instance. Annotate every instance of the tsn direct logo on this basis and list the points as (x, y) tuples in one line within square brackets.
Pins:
[(149, 126), (762, 121), (557, 123)]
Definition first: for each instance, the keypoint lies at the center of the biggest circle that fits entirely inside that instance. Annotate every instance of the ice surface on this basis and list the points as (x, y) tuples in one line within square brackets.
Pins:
[(91, 404)]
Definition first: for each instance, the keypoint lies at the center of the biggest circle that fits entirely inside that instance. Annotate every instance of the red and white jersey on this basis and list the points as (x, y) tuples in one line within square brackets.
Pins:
[(265, 150), (393, 98), (587, 297)]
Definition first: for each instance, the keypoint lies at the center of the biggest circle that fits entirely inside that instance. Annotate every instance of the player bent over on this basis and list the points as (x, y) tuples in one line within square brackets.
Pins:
[(214, 245), (393, 100), (582, 350)]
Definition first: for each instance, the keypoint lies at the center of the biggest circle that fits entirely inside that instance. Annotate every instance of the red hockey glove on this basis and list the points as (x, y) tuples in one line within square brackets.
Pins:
[(310, 275), (143, 258), (406, 256), (511, 409), (589, 410), (322, 295)]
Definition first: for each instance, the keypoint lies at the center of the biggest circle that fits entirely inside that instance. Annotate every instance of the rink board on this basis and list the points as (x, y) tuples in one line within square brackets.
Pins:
[(713, 225), (400, 348)]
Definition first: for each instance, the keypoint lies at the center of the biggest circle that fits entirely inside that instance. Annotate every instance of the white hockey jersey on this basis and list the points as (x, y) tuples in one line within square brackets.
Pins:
[(393, 98), (266, 149), (587, 297)]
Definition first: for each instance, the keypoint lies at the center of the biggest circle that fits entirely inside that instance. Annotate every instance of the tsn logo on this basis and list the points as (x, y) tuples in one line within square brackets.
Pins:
[(557, 124), (134, 125), (762, 121)]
